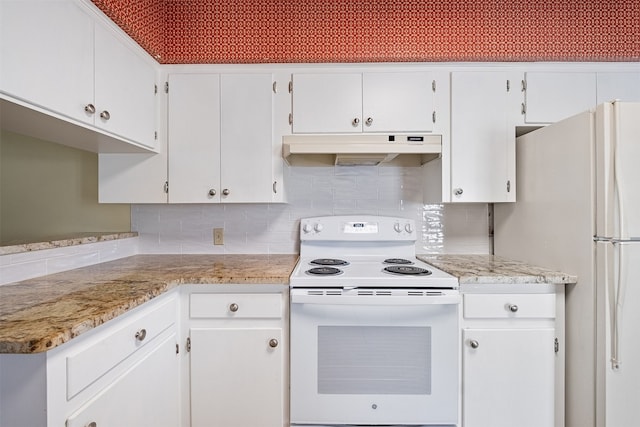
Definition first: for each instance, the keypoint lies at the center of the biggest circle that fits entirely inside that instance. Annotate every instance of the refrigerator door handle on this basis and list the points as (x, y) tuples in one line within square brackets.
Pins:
[(616, 287)]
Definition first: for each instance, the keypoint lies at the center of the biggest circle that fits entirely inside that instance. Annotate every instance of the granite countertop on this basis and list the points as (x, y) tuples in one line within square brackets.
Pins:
[(490, 269), (52, 242), (39, 314)]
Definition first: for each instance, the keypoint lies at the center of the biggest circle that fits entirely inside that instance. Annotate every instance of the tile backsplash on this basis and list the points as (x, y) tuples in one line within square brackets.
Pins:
[(314, 191)]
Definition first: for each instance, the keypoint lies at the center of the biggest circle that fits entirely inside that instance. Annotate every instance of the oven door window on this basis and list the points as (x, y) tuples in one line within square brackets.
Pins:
[(374, 360)]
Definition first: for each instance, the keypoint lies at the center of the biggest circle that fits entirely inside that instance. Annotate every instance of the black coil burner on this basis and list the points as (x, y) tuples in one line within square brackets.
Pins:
[(324, 271), (407, 270), (397, 261), (329, 261)]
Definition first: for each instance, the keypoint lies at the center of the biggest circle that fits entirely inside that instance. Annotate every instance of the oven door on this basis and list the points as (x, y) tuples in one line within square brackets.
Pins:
[(376, 359)]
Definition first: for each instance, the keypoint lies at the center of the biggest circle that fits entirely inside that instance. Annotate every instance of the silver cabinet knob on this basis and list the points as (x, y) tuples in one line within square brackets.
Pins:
[(512, 308), (212, 192), (92, 424), (226, 191), (90, 108), (457, 191), (369, 121), (474, 344), (355, 122), (233, 307), (141, 334), (273, 343), (105, 115)]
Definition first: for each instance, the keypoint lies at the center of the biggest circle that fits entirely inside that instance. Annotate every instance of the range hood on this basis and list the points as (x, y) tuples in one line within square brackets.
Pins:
[(363, 150)]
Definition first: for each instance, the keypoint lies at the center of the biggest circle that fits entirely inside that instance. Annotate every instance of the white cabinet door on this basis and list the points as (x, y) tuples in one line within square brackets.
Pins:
[(124, 90), (246, 134), (482, 143), (146, 395), (236, 377), (194, 138), (394, 102), (508, 377), (553, 96), (49, 61), (330, 103), (621, 86)]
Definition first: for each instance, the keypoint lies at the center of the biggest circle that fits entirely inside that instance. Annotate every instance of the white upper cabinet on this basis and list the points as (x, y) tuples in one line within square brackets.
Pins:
[(553, 96), (624, 86), (482, 138), (47, 55), (59, 58), (194, 138), (221, 139), (125, 90), (363, 102)]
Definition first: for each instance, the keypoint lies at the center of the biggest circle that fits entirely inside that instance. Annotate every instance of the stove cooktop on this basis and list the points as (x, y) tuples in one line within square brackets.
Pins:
[(370, 271)]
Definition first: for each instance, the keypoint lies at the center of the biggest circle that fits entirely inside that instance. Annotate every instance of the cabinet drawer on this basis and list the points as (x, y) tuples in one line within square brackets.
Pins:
[(116, 343), (243, 306), (541, 306)]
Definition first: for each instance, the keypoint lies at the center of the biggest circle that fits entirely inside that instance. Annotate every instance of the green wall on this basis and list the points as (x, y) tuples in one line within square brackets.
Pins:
[(49, 190)]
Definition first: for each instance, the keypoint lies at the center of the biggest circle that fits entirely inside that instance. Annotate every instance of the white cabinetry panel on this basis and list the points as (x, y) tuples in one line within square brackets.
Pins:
[(47, 55), (553, 96), (194, 138), (620, 86), (482, 141), (508, 378), (327, 103)]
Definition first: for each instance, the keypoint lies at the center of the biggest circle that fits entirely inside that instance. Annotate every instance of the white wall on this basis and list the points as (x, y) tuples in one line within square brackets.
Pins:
[(313, 191)]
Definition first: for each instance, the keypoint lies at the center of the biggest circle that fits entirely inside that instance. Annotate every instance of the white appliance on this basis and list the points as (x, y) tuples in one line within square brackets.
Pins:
[(374, 330), (578, 211)]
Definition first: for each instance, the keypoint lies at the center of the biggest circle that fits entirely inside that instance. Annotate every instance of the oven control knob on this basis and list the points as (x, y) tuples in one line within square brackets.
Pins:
[(306, 228), (397, 227), (408, 228), (318, 227)]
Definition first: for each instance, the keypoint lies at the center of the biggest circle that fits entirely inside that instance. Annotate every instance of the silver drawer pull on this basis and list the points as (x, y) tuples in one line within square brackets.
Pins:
[(141, 334), (233, 307), (512, 308), (474, 344), (273, 343)]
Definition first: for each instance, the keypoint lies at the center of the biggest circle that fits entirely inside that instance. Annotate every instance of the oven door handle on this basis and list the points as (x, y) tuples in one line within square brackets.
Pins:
[(375, 300)]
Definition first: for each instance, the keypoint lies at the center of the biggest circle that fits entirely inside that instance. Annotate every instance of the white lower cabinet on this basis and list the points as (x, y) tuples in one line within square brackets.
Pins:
[(123, 373), (509, 361), (145, 395), (237, 359)]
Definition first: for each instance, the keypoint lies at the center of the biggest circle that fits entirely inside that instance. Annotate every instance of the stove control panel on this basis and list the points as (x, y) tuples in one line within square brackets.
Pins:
[(357, 228)]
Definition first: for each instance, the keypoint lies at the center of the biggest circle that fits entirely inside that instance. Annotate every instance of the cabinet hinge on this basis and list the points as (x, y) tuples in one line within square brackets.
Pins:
[(275, 187), (274, 87), (433, 85), (508, 85), (290, 118), (291, 86), (524, 85), (177, 348), (166, 87), (556, 345), (523, 109), (508, 186), (155, 135), (155, 89), (166, 187), (433, 117), (188, 346)]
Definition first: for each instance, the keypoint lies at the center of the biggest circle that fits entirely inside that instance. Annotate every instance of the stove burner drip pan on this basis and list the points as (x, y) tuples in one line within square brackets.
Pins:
[(329, 261), (407, 270), (324, 271), (397, 261)]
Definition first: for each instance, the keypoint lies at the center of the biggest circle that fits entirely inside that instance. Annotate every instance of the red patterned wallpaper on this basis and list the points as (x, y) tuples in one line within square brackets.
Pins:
[(303, 31)]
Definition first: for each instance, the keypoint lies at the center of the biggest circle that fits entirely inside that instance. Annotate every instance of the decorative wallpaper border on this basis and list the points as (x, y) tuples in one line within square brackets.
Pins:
[(308, 31)]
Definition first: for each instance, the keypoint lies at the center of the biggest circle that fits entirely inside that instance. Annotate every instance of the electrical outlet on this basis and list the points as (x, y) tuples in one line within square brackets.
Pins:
[(218, 236)]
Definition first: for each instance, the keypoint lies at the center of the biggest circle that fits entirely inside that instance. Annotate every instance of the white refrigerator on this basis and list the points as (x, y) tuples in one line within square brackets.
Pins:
[(578, 211)]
